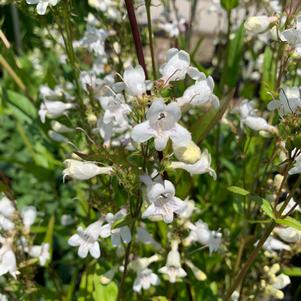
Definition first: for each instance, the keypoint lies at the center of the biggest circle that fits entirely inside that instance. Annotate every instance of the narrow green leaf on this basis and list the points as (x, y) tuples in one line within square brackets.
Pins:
[(267, 208), (290, 222), (293, 272), (229, 4), (238, 190)]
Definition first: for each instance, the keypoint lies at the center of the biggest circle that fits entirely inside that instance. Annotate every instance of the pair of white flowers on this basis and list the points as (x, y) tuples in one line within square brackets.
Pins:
[(87, 239)]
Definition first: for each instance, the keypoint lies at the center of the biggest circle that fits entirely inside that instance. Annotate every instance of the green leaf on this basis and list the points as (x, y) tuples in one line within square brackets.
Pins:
[(232, 71), (290, 222), (229, 4), (267, 208), (293, 272), (268, 75), (238, 190), (104, 292), (159, 298)]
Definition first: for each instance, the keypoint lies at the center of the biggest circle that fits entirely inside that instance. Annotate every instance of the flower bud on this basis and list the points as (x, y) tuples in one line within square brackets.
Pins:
[(84, 170), (258, 24), (190, 153)]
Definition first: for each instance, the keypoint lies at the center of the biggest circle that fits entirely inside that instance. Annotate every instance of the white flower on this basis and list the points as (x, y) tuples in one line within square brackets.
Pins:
[(115, 110), (8, 262), (189, 153), (297, 166), (293, 35), (3, 297), (199, 167), (288, 234), (163, 202), (176, 67), (173, 268), (41, 252), (84, 170), (199, 275), (201, 233), (6, 224), (145, 276), (42, 5), (273, 244), (108, 276), (134, 82), (248, 117), (145, 279), (87, 239), (200, 93), (89, 81), (7, 208), (94, 40), (29, 215), (144, 236), (291, 204), (121, 234), (162, 124), (289, 101), (258, 24), (189, 209), (106, 6), (53, 109), (60, 127)]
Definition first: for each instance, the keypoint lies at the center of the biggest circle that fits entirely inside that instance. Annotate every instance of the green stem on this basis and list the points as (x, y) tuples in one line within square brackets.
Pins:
[(249, 262)]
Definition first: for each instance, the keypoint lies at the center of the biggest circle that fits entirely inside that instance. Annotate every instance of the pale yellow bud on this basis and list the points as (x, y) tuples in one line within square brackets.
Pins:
[(190, 153)]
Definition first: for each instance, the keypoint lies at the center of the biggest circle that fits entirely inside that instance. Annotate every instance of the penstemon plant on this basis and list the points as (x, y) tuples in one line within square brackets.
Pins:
[(181, 176)]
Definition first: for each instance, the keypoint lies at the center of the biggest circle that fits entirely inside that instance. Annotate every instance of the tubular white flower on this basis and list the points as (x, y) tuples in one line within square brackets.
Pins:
[(200, 93), (29, 215), (289, 101), (145, 279), (176, 67), (173, 268), (87, 240), (121, 234), (84, 170), (258, 24), (162, 124), (163, 202), (249, 118), (53, 109), (42, 5), (8, 262), (273, 244), (293, 36), (199, 167), (41, 252), (288, 234)]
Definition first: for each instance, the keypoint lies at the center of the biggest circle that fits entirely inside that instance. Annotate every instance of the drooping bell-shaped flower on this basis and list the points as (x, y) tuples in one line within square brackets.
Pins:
[(201, 166), (293, 36), (161, 124), (274, 244), (163, 202), (84, 170), (248, 117), (173, 268), (201, 93), (53, 109), (289, 101), (87, 239)]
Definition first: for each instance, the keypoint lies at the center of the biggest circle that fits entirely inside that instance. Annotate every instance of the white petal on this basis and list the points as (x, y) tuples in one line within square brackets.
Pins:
[(125, 234), (83, 250), (42, 7), (161, 141), (74, 240), (95, 250), (142, 132), (179, 135), (115, 238)]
